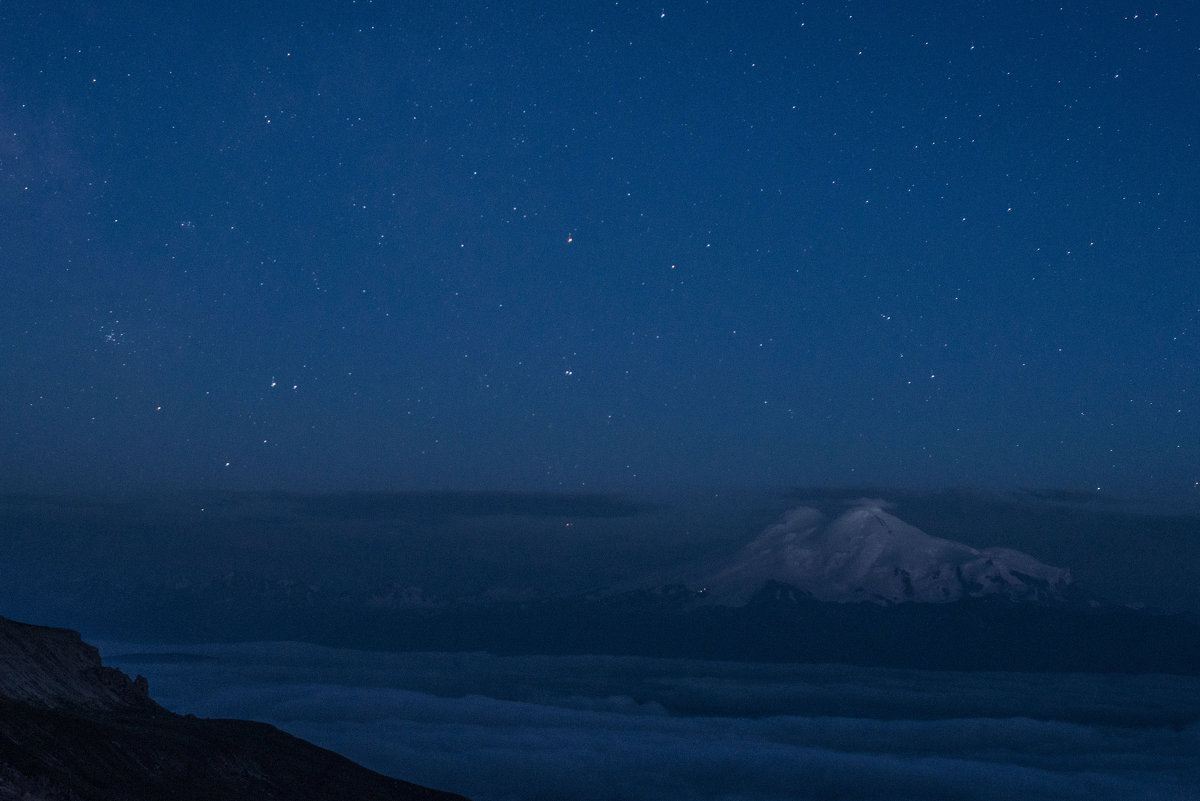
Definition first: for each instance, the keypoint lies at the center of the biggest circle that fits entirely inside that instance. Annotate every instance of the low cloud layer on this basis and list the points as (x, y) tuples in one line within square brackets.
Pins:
[(587, 728)]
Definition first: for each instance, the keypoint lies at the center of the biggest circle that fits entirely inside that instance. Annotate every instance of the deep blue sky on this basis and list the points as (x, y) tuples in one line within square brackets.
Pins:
[(599, 245)]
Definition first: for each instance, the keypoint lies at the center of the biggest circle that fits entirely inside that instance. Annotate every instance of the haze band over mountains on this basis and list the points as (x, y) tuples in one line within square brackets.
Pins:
[(853, 583)]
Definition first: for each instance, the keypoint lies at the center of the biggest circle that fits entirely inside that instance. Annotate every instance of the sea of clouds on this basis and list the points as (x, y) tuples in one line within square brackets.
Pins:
[(591, 728)]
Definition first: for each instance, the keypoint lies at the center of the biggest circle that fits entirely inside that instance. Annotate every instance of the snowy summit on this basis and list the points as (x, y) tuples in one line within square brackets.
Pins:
[(867, 554)]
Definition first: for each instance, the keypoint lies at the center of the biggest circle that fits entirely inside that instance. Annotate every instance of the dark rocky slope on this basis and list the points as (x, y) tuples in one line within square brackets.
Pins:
[(71, 728)]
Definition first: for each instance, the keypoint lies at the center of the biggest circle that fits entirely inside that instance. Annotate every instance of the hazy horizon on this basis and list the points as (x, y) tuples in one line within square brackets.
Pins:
[(460, 543)]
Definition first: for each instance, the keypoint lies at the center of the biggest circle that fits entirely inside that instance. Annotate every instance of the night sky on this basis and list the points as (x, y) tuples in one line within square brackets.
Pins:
[(599, 245)]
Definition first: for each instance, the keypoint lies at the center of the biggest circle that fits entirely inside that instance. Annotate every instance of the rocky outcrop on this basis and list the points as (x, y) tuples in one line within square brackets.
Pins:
[(54, 668), (72, 729)]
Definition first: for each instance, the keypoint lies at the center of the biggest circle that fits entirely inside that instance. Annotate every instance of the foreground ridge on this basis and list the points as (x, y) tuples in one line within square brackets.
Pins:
[(73, 729)]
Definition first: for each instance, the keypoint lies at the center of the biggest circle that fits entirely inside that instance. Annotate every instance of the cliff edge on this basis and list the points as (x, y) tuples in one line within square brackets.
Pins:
[(72, 729)]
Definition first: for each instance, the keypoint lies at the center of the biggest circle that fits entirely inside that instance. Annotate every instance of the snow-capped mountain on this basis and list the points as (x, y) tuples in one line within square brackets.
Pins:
[(867, 554)]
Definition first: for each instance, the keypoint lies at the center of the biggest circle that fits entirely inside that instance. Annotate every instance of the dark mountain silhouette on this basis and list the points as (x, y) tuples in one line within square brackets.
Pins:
[(778, 622), (72, 729)]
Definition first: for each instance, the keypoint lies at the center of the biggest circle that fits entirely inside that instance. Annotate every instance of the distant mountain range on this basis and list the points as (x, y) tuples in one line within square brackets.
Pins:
[(72, 729), (862, 587)]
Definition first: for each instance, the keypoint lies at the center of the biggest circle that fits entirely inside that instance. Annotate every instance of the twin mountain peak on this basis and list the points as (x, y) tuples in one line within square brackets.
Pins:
[(866, 554)]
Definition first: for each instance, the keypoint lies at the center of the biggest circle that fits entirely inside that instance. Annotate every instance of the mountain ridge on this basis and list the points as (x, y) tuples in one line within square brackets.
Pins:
[(72, 729), (54, 668)]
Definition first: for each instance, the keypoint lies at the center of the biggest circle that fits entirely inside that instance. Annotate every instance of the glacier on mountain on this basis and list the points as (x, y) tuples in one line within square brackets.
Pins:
[(868, 554)]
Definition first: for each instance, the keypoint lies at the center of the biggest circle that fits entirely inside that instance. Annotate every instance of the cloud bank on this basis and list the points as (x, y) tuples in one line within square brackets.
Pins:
[(502, 729)]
